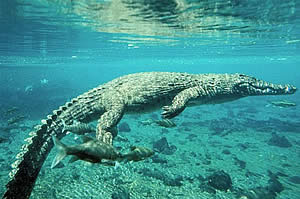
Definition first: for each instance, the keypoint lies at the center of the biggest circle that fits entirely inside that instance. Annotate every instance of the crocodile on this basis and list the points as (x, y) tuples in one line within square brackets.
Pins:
[(133, 93)]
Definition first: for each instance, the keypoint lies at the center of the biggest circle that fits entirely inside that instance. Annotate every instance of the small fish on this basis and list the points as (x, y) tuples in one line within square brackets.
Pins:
[(147, 122), (282, 103), (28, 89), (11, 110), (91, 150), (16, 119), (78, 128), (137, 154), (44, 81), (165, 123)]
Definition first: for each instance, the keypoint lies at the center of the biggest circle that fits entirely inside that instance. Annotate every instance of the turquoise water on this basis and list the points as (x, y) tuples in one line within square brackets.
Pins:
[(53, 51)]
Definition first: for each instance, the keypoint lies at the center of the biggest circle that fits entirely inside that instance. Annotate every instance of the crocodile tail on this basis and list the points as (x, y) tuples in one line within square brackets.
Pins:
[(34, 153), (30, 160)]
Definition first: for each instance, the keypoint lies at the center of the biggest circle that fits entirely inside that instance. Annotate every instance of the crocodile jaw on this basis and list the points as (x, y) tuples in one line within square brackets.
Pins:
[(249, 86)]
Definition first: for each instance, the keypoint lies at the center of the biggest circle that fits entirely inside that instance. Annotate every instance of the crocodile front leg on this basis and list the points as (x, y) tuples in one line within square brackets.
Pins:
[(180, 101), (106, 128)]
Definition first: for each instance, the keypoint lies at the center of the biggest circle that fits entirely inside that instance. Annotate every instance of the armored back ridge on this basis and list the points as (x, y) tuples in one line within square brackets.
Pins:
[(32, 156), (134, 93)]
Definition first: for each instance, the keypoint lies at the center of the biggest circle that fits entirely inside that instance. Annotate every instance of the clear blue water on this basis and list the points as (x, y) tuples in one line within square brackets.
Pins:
[(54, 50)]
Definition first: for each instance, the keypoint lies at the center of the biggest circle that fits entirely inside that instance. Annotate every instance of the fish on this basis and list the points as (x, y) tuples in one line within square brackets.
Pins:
[(283, 103), (165, 123), (44, 81), (91, 150), (15, 119), (11, 110), (137, 153)]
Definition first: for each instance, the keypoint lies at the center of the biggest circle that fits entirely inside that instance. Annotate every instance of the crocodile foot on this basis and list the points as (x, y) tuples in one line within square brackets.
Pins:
[(105, 137), (170, 112)]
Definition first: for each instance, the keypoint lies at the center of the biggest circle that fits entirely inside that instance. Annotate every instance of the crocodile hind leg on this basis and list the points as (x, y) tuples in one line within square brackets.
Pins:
[(106, 128)]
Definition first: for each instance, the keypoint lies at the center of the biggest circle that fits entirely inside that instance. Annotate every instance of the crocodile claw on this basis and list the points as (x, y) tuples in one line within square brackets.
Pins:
[(168, 112)]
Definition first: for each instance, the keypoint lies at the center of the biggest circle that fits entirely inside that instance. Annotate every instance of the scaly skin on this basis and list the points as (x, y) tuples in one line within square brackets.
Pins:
[(134, 93)]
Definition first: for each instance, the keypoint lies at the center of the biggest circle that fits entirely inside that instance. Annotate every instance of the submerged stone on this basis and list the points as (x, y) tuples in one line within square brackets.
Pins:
[(162, 146), (120, 193), (240, 163), (275, 186), (124, 127), (280, 141), (3, 140), (157, 159), (220, 180), (170, 150), (160, 175), (226, 152), (295, 179)]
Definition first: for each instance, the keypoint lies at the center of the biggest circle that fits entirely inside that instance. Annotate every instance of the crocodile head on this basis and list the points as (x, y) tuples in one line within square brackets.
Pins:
[(244, 85)]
